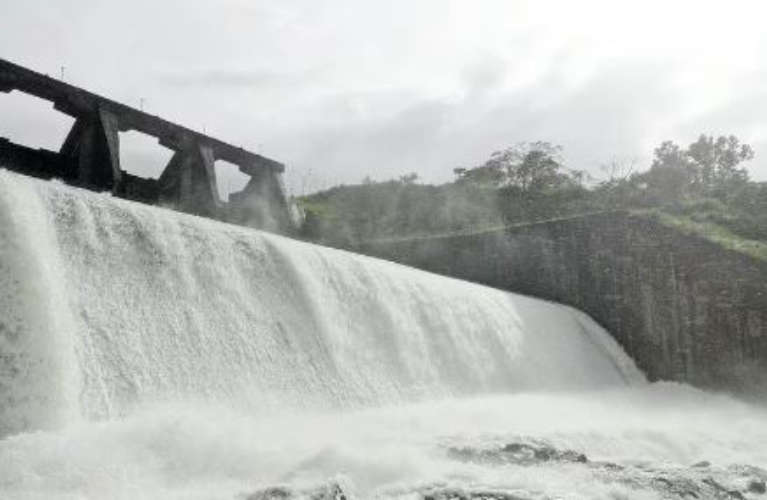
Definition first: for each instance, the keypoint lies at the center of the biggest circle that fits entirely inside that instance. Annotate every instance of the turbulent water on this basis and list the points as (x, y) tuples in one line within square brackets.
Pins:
[(150, 354)]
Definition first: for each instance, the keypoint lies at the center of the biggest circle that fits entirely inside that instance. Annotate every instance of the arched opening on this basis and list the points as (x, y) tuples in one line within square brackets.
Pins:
[(31, 121), (229, 179), (141, 155)]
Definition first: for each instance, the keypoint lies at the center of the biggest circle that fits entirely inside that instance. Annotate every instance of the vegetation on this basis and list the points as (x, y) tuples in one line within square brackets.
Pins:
[(702, 188)]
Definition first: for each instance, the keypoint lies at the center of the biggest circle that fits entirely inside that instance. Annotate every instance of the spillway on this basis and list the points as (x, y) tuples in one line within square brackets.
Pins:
[(111, 304), (143, 350)]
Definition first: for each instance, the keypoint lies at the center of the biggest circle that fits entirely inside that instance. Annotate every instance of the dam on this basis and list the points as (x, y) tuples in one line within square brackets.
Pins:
[(525, 260), (149, 353)]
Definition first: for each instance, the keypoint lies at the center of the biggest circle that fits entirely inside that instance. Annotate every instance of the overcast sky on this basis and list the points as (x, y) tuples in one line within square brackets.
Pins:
[(344, 89)]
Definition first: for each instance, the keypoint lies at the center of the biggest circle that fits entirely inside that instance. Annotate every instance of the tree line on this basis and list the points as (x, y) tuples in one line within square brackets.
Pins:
[(529, 181)]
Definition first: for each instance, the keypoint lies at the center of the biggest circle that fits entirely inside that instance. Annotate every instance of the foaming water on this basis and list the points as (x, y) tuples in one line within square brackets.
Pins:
[(150, 354), (399, 452)]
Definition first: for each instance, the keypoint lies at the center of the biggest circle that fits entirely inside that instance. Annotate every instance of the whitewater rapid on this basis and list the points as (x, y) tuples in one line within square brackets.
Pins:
[(146, 353)]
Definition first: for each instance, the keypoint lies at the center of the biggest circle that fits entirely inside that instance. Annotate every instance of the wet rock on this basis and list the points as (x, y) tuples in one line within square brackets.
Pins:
[(675, 486), (608, 465), (275, 493), (330, 491), (639, 479), (725, 491), (757, 486), (700, 480), (518, 453), (460, 494)]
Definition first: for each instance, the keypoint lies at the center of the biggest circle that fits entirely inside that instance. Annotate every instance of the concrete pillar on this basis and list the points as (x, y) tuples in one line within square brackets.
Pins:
[(188, 182), (262, 203), (94, 145)]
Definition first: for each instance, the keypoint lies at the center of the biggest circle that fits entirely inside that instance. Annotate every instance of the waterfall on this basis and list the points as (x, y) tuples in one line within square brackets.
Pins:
[(110, 304)]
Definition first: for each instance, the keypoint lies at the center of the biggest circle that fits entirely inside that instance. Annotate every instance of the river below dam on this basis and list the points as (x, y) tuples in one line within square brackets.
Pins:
[(150, 354)]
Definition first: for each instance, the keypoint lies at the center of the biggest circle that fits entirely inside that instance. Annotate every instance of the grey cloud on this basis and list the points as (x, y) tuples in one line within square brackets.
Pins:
[(234, 78), (604, 117), (351, 89)]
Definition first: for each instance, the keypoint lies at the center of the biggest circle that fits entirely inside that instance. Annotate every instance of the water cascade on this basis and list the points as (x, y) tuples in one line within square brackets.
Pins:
[(149, 352)]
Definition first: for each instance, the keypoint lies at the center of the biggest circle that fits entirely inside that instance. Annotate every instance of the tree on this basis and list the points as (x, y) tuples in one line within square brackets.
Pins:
[(708, 166), (716, 160), (672, 174), (408, 179), (483, 176), (619, 187), (527, 166)]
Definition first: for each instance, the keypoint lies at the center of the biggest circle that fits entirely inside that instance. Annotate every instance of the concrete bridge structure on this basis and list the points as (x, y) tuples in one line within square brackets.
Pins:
[(90, 157)]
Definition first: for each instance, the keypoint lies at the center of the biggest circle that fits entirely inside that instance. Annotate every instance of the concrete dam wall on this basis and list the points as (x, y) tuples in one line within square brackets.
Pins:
[(683, 307)]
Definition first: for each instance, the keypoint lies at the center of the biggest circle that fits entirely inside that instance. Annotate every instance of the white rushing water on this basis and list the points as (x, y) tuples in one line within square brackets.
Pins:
[(150, 354)]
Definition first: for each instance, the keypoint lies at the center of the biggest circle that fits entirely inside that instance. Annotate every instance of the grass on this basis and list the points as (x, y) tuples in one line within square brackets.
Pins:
[(711, 231)]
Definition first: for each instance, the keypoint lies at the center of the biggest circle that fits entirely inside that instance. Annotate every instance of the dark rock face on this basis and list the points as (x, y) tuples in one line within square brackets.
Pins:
[(683, 307)]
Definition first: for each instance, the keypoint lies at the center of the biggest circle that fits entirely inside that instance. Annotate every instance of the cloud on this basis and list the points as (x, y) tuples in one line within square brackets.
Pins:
[(221, 78), (216, 78), (596, 120), (348, 89)]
